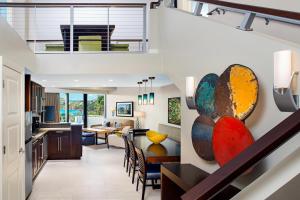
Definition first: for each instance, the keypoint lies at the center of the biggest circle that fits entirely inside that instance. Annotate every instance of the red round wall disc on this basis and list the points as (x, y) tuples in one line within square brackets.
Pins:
[(230, 138)]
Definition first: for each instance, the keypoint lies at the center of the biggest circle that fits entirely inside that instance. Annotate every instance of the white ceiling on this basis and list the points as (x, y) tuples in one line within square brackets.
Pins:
[(97, 80)]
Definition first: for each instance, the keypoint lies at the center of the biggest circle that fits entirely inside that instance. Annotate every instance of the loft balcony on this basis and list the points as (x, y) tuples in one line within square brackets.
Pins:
[(79, 28)]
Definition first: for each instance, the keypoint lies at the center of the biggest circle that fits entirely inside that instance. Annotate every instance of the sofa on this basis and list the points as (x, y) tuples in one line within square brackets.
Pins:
[(117, 127), (116, 123)]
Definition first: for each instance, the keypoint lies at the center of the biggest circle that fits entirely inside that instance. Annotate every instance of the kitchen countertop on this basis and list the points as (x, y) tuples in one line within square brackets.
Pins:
[(42, 131)]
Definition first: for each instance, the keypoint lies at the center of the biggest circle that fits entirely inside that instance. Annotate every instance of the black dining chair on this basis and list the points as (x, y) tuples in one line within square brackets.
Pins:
[(132, 160), (127, 154), (147, 172)]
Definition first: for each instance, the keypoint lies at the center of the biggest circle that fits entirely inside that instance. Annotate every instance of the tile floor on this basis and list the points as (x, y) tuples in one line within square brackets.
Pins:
[(98, 175)]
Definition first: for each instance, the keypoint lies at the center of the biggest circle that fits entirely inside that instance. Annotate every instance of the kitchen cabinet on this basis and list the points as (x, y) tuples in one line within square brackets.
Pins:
[(37, 98), (59, 144), (55, 145), (39, 155), (65, 144), (34, 158)]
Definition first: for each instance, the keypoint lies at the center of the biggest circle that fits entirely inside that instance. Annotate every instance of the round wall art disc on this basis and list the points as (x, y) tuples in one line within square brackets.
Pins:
[(230, 138), (202, 137), (236, 92), (205, 95)]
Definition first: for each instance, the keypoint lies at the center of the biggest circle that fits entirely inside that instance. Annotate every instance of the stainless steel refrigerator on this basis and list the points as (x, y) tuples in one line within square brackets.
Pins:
[(28, 152)]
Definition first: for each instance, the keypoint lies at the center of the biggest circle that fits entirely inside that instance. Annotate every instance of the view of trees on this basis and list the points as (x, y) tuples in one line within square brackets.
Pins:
[(95, 106)]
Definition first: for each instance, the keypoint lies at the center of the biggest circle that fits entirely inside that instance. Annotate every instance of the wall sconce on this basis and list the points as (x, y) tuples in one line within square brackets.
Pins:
[(190, 92), (284, 98)]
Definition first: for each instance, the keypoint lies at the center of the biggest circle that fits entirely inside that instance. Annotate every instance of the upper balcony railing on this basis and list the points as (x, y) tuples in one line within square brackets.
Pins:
[(79, 27)]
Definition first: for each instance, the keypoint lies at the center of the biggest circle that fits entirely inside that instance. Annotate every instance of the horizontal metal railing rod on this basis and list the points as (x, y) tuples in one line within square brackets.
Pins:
[(32, 5), (256, 9), (113, 40), (264, 146)]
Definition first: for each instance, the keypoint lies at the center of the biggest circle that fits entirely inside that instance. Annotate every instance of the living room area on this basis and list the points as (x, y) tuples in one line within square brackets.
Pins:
[(100, 118)]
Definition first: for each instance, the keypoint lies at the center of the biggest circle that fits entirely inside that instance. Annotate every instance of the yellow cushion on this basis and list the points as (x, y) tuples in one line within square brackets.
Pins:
[(156, 137), (118, 133), (90, 43)]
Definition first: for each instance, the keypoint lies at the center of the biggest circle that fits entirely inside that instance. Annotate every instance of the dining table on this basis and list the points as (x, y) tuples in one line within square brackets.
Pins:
[(166, 151)]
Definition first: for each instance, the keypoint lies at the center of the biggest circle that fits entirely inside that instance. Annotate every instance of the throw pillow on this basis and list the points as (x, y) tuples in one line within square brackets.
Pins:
[(107, 124)]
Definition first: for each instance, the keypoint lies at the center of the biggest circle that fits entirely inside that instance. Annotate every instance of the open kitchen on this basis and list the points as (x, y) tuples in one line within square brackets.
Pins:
[(45, 141)]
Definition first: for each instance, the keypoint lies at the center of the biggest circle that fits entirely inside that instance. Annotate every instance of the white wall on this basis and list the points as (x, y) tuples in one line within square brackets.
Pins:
[(13, 49), (196, 46), (44, 23), (113, 63), (270, 182), (154, 114)]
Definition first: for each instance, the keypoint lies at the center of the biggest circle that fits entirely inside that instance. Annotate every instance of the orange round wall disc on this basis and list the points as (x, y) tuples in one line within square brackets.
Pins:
[(236, 92), (230, 138)]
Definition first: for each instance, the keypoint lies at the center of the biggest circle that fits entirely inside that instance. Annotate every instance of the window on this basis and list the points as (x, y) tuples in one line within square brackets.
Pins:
[(63, 107), (95, 108), (76, 108), (3, 10)]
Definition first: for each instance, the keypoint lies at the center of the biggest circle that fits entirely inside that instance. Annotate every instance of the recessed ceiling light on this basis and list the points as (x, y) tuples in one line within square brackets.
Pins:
[(44, 80), (110, 80), (76, 80)]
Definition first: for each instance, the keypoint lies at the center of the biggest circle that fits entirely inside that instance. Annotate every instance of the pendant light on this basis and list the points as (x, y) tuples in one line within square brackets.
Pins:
[(140, 97), (151, 94), (145, 95)]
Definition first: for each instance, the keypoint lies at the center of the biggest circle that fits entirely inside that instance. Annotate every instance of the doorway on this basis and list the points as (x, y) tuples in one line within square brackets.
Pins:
[(13, 147)]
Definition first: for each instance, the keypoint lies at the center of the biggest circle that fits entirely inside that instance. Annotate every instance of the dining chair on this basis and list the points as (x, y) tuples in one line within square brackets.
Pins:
[(132, 160), (146, 172), (127, 152)]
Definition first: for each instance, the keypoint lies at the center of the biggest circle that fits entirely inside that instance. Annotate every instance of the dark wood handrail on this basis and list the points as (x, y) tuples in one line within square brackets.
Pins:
[(257, 9), (248, 158), (32, 5)]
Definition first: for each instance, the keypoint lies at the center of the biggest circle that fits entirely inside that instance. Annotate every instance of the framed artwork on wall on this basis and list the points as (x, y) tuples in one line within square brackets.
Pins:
[(124, 109), (174, 111)]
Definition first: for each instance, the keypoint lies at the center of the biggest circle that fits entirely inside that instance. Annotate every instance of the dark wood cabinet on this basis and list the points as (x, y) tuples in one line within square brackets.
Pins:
[(27, 93), (34, 158), (39, 155), (37, 98), (65, 144), (55, 145), (59, 146)]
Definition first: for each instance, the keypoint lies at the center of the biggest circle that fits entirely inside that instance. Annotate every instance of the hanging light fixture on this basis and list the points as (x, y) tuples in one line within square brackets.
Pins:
[(151, 94), (145, 95), (140, 97)]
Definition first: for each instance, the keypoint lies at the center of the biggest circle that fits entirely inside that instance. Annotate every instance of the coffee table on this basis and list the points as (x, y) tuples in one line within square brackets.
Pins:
[(99, 133)]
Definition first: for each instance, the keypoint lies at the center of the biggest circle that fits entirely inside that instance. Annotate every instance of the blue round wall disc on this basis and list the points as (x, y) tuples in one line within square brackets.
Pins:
[(205, 95)]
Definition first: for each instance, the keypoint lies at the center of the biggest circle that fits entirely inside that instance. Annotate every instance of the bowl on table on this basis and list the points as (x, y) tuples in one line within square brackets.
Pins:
[(156, 137)]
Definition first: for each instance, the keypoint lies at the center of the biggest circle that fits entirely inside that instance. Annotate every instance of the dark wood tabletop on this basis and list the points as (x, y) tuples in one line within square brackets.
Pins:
[(167, 151), (105, 31)]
